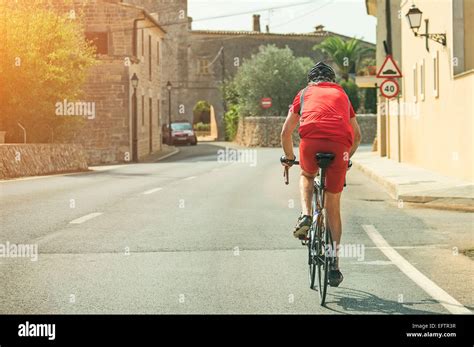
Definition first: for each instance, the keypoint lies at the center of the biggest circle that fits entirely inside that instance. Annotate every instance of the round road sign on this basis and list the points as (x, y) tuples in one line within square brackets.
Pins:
[(389, 88), (266, 102)]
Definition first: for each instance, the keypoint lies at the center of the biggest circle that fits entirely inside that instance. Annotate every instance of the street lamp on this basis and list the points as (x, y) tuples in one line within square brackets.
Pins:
[(134, 81), (414, 16), (169, 86)]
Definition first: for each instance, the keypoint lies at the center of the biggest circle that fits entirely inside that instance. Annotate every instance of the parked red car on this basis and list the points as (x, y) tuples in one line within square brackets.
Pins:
[(181, 132)]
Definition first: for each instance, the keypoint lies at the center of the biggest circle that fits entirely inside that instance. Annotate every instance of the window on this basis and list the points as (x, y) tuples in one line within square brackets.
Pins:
[(422, 80), (143, 110), (100, 40), (158, 118), (436, 75), (143, 42), (149, 56), (415, 84), (150, 128), (203, 66), (157, 52)]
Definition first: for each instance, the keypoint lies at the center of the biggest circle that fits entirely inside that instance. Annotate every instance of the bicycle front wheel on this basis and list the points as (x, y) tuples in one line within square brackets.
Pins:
[(312, 256), (312, 244)]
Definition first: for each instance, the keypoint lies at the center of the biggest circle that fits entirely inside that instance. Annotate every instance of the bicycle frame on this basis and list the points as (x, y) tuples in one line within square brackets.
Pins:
[(321, 254), (319, 188)]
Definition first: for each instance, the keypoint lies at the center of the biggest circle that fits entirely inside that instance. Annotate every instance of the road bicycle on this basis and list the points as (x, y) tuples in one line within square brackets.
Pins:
[(321, 254)]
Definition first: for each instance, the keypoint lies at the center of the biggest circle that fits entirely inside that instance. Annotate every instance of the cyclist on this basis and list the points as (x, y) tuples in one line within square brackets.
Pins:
[(327, 124)]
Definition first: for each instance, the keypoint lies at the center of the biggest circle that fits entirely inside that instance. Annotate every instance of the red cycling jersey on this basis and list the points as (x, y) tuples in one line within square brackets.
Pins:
[(326, 113)]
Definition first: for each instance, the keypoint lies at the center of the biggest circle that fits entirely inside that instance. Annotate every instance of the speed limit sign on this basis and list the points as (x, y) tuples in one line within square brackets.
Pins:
[(389, 88)]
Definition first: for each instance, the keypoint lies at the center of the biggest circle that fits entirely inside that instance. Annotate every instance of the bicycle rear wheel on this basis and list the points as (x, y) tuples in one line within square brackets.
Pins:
[(312, 247), (323, 259)]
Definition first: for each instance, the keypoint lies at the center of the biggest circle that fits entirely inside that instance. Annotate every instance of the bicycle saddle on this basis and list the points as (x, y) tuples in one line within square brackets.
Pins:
[(324, 159)]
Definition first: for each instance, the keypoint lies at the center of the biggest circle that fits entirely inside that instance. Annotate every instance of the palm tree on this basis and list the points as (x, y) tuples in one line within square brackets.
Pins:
[(346, 54)]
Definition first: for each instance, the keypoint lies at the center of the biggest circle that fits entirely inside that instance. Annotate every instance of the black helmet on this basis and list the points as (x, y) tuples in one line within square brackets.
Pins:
[(321, 72)]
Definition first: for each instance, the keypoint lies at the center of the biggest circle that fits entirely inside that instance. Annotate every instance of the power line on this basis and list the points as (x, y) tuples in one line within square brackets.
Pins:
[(304, 15), (252, 11)]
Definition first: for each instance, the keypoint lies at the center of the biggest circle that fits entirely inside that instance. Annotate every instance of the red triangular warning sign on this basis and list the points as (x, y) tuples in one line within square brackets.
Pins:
[(389, 69)]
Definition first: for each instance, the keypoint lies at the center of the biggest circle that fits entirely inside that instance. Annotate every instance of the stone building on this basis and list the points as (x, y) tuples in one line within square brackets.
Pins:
[(172, 16), (214, 56), (154, 40), (128, 41), (197, 61)]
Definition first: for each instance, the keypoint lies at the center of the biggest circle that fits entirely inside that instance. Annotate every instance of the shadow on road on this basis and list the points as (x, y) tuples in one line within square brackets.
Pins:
[(353, 301)]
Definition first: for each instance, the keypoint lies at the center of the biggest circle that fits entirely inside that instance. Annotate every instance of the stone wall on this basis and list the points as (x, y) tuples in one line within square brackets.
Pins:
[(18, 160), (265, 131), (261, 132), (368, 127)]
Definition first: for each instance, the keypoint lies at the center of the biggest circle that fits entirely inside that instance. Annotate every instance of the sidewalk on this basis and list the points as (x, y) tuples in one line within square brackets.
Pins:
[(165, 152), (206, 138), (414, 184)]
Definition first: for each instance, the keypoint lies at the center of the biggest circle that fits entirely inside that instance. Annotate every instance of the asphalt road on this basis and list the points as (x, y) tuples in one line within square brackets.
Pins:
[(193, 234)]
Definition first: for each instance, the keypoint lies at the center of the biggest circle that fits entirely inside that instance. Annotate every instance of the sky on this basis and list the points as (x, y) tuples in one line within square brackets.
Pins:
[(347, 17)]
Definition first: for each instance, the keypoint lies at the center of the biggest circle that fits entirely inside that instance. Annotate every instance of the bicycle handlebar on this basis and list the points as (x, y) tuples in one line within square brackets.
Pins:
[(286, 172)]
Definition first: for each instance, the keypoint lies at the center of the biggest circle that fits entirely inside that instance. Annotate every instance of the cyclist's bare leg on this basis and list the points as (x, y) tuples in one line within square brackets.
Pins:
[(306, 191), (332, 204)]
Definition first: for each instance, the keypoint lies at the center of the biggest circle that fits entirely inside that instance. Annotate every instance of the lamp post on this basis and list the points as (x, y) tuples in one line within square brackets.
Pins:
[(169, 86), (414, 16), (134, 81)]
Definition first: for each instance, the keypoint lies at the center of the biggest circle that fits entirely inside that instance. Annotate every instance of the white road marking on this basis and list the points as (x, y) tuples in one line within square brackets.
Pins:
[(151, 191), (374, 262), (437, 293), (444, 245), (189, 178), (85, 218)]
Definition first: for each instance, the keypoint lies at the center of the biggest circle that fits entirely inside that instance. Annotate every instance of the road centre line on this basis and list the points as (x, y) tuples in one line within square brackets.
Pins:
[(85, 218), (151, 191)]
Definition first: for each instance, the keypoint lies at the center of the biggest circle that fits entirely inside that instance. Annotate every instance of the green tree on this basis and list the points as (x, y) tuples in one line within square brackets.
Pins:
[(272, 72), (352, 92), (346, 54), (229, 93), (370, 100), (202, 112), (45, 59), (231, 121)]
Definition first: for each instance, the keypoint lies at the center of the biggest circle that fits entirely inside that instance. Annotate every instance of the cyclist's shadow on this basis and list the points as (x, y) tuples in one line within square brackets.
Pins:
[(353, 301)]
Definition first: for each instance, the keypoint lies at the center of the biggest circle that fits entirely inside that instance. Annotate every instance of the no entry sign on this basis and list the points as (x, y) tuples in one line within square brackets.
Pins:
[(266, 102), (389, 88)]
